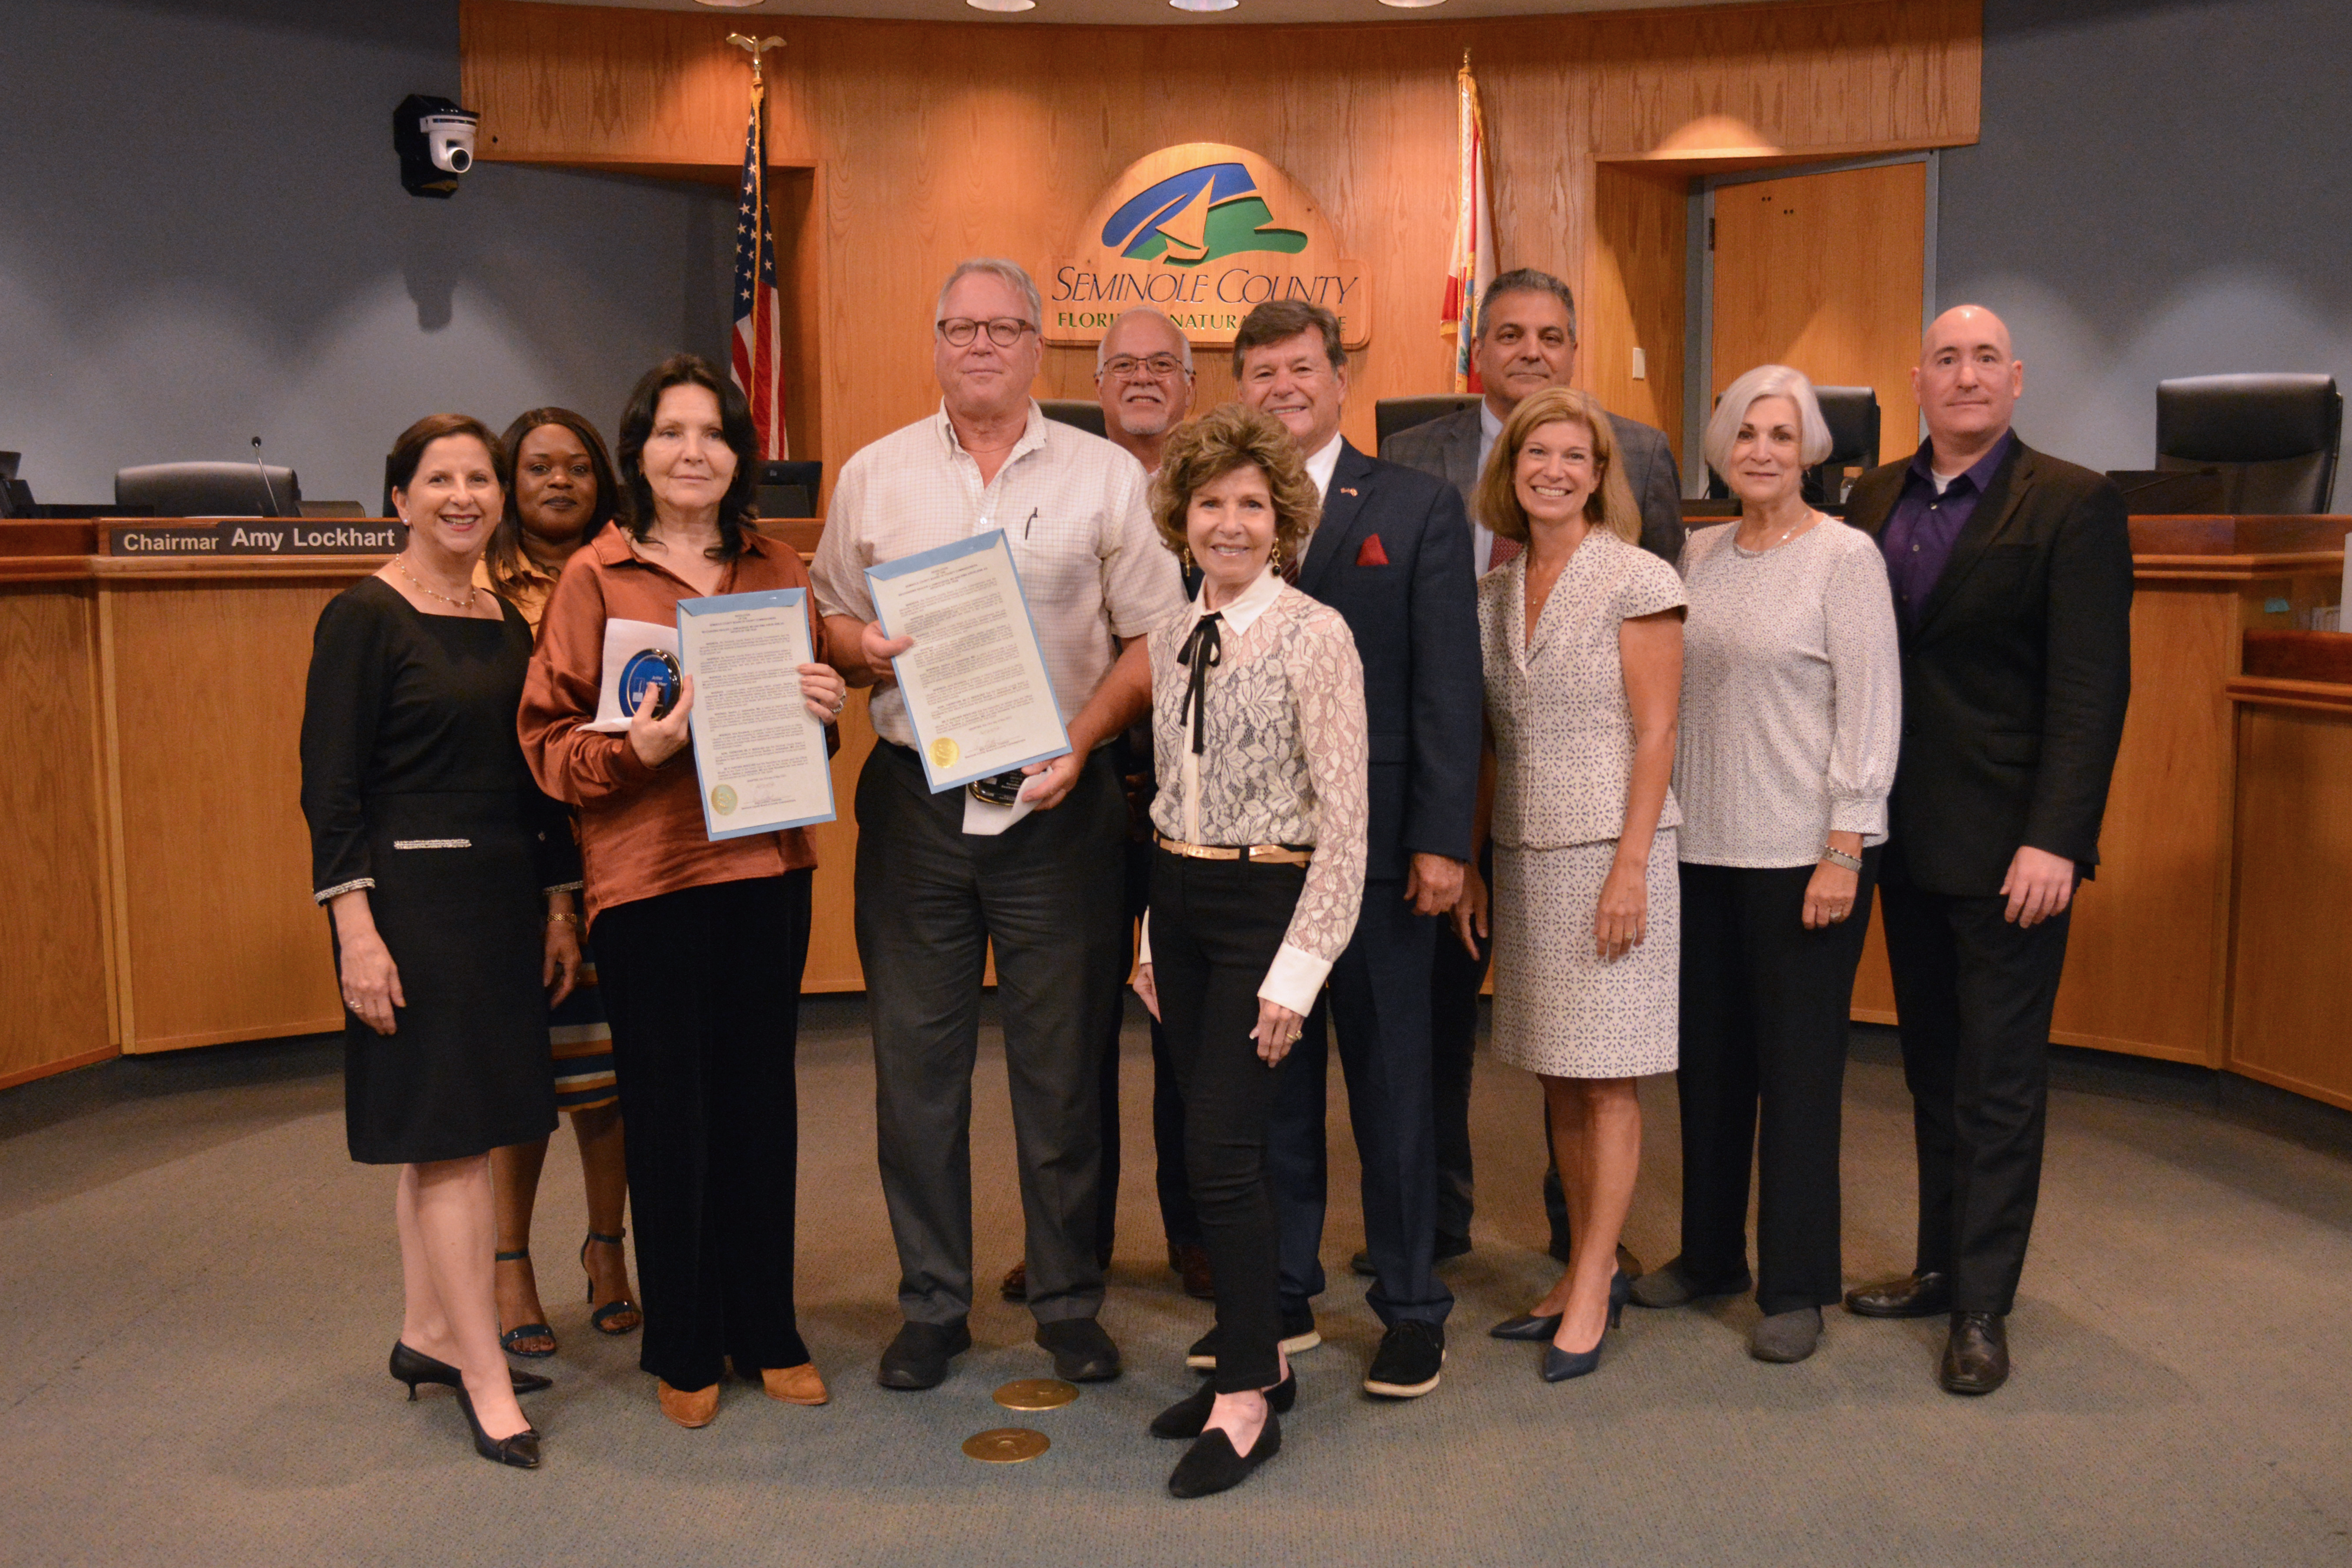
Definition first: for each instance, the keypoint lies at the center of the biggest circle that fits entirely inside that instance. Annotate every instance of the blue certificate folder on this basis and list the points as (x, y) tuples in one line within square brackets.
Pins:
[(718, 824), (952, 777)]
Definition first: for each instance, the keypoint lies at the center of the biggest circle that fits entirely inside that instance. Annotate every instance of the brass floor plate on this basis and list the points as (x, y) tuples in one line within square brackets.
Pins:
[(1036, 1394), (1005, 1444)]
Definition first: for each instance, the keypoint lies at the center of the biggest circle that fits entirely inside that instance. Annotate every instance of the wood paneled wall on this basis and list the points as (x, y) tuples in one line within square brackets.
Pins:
[(934, 142), (53, 866)]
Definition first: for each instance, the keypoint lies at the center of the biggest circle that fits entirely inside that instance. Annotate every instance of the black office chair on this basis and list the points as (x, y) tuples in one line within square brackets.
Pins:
[(2275, 438), (1391, 414), (208, 490), (1078, 413), (788, 489), (1852, 414)]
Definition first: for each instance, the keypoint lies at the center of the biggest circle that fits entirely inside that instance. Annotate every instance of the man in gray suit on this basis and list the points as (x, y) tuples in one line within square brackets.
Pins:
[(1526, 341)]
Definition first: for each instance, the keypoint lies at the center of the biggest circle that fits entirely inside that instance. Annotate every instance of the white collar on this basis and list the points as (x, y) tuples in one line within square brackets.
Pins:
[(1033, 433), (1489, 426), (1320, 466), (1243, 610)]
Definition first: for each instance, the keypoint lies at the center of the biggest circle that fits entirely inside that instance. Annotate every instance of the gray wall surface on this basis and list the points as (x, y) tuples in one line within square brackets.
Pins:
[(202, 239), (2164, 188)]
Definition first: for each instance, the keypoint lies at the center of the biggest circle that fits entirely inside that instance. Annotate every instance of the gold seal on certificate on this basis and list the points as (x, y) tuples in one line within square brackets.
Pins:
[(978, 695), (759, 752)]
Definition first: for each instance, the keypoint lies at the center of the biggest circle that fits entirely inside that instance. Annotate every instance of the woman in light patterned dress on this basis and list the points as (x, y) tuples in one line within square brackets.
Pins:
[(1257, 703), (1581, 636), (1792, 708)]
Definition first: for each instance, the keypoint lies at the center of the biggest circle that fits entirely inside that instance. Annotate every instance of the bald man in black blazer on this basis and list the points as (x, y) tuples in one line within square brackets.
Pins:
[(2012, 579)]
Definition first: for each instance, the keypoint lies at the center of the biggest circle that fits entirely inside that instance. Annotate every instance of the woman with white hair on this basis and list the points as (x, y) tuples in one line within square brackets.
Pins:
[(1790, 716)]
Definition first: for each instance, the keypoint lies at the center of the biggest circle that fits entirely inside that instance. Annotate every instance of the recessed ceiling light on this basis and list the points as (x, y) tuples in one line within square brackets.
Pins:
[(1204, 5), (1399, 4), (1002, 4), (731, 4)]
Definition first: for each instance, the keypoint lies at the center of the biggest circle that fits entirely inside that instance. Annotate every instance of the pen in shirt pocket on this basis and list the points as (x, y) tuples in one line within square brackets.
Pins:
[(1033, 517)]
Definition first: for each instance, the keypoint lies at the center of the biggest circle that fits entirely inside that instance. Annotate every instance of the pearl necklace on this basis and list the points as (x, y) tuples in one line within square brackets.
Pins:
[(400, 563)]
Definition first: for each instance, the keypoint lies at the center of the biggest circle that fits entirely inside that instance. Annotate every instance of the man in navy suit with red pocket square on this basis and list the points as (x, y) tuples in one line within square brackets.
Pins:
[(1391, 554)]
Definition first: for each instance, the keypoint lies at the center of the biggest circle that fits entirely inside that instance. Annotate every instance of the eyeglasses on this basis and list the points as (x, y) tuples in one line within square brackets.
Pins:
[(1002, 330), (1159, 366)]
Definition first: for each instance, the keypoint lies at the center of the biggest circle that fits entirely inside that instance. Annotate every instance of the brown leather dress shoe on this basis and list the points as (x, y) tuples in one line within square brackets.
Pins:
[(1976, 1358), (1191, 1260), (690, 1409), (1925, 1295), (794, 1384)]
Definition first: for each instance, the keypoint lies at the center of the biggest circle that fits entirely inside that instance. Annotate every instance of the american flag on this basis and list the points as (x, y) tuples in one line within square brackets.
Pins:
[(759, 346), (1471, 266)]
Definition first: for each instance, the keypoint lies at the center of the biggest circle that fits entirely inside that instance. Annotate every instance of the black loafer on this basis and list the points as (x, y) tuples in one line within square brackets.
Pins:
[(1082, 1351), (1188, 1417), (1210, 1464), (1976, 1357), (1912, 1296), (919, 1356), (1409, 1361)]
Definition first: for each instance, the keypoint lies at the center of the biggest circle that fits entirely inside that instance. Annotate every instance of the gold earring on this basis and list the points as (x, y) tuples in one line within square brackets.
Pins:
[(1186, 555)]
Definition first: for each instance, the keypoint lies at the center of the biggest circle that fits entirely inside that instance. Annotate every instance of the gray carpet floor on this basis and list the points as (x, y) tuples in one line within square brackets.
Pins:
[(199, 1290)]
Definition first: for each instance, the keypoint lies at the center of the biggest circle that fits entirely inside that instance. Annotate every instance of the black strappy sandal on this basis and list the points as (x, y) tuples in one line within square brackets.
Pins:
[(511, 1341), (605, 1317)]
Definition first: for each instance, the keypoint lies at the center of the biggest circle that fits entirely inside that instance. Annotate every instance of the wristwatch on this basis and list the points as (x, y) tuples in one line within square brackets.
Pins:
[(1837, 856)]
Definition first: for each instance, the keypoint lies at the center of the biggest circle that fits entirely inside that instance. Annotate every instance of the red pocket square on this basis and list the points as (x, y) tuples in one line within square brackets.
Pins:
[(1371, 553)]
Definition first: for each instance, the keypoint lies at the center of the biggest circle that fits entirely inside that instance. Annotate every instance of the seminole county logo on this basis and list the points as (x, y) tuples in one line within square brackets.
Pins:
[(1203, 232)]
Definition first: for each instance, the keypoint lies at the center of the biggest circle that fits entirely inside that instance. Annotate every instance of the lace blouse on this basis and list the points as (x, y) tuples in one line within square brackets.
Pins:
[(1284, 760)]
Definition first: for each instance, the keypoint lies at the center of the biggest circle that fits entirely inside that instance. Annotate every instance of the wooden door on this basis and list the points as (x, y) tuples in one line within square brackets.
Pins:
[(1826, 272)]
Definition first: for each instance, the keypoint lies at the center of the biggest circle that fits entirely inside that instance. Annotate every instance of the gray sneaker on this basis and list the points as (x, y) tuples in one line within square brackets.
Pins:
[(1786, 1336)]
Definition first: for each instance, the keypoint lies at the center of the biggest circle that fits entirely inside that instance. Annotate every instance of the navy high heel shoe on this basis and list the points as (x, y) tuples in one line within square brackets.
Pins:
[(413, 1367), (1533, 1327), (1560, 1365)]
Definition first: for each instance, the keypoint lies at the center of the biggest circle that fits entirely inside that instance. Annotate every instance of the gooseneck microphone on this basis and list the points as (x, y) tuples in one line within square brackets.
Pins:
[(265, 488)]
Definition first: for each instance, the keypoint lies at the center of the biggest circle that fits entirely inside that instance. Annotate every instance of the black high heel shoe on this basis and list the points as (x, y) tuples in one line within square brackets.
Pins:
[(1530, 1326), (413, 1367), (511, 1341), (607, 1319), (1210, 1464), (1188, 1417), (521, 1450)]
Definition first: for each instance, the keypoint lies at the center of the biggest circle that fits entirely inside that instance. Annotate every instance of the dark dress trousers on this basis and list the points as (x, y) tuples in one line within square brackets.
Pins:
[(1448, 448), (2016, 670), (1392, 556)]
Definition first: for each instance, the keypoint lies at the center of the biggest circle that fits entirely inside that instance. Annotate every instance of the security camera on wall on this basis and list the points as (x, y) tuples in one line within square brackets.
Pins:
[(435, 138)]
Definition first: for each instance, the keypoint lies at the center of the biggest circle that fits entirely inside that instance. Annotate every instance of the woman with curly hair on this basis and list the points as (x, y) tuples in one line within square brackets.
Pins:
[(1259, 735)]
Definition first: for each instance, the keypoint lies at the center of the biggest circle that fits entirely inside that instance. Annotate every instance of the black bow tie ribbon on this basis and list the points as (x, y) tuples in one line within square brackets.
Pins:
[(1203, 649)]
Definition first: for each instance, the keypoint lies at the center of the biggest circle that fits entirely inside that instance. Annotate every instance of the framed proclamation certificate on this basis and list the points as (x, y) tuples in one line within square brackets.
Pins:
[(977, 693), (759, 752)]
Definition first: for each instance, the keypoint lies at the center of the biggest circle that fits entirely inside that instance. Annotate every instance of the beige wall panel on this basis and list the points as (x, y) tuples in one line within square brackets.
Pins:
[(1633, 297), (1826, 272)]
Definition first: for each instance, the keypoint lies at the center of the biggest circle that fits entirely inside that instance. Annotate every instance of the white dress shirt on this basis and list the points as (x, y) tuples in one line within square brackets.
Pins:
[(1072, 508), (1481, 538)]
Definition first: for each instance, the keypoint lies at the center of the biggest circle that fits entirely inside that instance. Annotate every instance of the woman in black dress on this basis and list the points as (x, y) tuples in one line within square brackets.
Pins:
[(451, 880)]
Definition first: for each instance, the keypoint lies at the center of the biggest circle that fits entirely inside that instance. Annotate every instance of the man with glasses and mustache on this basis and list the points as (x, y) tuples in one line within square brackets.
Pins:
[(1045, 894), (1143, 373)]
